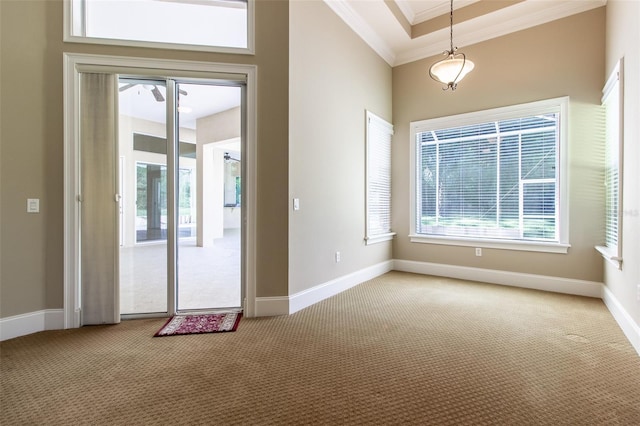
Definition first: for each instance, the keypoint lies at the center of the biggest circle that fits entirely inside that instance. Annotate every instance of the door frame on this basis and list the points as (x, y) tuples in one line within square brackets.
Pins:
[(74, 64)]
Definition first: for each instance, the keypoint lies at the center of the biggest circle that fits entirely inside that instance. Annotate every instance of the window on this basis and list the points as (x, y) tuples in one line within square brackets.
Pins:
[(493, 178), (214, 25), (378, 169), (612, 101)]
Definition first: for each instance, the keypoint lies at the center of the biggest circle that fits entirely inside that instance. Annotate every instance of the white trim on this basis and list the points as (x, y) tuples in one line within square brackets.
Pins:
[(505, 21), (492, 114), (32, 322), (513, 279), (72, 62), (54, 319), (362, 29), (610, 253), (520, 245), (442, 8), (560, 105), (374, 149), (284, 305), (68, 37), (379, 238), (609, 256), (323, 291), (407, 10), (630, 329), (272, 306), (497, 24)]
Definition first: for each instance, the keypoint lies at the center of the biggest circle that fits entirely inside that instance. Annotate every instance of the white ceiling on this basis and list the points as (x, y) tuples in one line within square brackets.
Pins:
[(375, 22)]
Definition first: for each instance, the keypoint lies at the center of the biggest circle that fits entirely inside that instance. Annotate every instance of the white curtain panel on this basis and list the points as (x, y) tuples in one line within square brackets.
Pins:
[(98, 195)]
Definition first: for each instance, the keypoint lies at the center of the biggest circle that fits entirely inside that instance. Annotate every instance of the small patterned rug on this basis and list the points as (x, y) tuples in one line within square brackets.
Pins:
[(198, 324)]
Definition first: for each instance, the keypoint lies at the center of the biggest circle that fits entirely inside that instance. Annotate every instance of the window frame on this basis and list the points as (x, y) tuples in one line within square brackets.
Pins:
[(614, 85), (69, 36), (373, 124), (560, 105)]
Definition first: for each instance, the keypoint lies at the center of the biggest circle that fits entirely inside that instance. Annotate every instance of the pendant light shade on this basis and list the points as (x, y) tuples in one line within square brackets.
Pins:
[(451, 70)]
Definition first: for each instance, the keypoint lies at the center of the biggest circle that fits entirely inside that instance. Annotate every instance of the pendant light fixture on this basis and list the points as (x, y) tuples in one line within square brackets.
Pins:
[(454, 67)]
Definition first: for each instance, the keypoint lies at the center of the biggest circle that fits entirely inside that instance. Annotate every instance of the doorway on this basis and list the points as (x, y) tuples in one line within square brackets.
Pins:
[(91, 279), (181, 248)]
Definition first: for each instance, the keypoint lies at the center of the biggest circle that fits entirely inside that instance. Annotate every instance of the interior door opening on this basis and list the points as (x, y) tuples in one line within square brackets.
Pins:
[(181, 204)]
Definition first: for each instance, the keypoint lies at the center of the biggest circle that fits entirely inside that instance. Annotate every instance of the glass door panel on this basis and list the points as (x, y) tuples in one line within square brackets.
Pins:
[(143, 152), (209, 193)]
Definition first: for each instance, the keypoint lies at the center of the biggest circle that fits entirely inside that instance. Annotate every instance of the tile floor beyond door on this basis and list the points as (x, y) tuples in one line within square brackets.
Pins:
[(208, 277)]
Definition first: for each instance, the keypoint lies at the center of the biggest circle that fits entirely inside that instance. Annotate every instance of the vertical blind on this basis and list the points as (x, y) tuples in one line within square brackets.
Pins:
[(378, 166), (495, 179), (99, 235)]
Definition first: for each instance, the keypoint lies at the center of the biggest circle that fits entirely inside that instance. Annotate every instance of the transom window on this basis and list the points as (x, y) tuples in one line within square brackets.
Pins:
[(216, 25), (492, 177)]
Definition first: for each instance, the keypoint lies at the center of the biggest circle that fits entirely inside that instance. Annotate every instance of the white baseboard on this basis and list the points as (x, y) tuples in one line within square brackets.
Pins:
[(323, 291), (271, 306), (536, 282), (32, 322), (53, 319), (285, 305), (622, 317), (514, 279)]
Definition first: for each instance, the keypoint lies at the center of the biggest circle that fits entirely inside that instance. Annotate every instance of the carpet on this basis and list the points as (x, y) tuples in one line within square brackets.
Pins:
[(198, 324)]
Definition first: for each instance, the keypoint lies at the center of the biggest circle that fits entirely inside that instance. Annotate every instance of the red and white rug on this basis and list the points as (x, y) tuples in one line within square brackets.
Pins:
[(198, 324)]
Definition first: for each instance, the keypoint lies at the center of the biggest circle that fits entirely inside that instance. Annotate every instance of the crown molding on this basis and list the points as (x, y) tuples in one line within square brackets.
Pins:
[(443, 8), (518, 17), (406, 10), (362, 29)]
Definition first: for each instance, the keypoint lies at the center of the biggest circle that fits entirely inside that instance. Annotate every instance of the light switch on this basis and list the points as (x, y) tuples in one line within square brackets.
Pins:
[(33, 205), (296, 204)]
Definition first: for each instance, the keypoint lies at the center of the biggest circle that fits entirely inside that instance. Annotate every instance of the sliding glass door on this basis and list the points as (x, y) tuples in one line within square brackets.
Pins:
[(209, 226), (143, 146), (180, 244)]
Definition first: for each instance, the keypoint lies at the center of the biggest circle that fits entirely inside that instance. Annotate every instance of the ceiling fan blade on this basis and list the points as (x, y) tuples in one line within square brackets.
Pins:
[(157, 94), (183, 92), (127, 86)]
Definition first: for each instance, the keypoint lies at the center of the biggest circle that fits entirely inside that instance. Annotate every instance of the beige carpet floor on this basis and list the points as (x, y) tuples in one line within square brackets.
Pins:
[(399, 349)]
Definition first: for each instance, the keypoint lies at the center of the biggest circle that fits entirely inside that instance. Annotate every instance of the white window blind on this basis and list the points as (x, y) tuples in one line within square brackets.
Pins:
[(378, 172), (612, 101), (611, 169), (496, 180)]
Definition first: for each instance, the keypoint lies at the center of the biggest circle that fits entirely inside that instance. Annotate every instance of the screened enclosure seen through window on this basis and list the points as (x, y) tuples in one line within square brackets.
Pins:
[(492, 175)]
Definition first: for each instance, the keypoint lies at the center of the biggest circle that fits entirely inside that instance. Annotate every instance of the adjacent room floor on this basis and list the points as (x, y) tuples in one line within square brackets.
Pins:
[(209, 277)]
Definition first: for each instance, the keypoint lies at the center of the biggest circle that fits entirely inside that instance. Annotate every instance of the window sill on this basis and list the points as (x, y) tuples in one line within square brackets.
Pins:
[(379, 238), (561, 248), (610, 257)]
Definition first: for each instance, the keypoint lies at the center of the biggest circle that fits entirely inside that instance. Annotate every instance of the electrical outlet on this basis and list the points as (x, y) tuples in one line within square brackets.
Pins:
[(478, 251), (337, 256)]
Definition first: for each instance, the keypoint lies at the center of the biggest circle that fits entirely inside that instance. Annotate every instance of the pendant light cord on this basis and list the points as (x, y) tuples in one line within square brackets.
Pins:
[(451, 27)]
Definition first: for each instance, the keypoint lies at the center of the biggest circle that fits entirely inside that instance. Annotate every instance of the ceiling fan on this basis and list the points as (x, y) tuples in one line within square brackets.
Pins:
[(152, 88)]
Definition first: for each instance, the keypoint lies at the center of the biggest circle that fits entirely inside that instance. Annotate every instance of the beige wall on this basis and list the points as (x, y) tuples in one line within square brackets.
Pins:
[(623, 40), (31, 133), (334, 78), (561, 58)]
